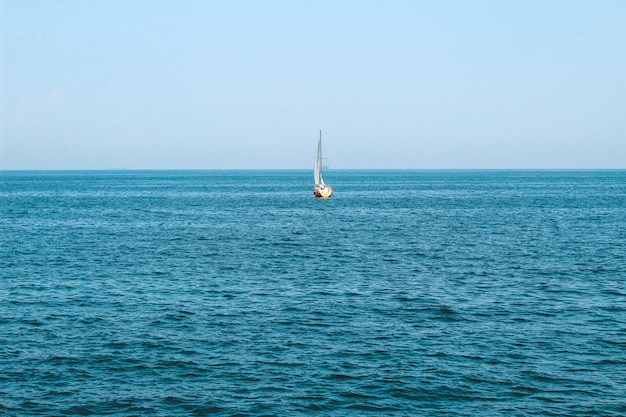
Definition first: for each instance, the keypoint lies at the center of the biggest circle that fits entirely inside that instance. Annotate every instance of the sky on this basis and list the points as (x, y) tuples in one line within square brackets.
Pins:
[(181, 84)]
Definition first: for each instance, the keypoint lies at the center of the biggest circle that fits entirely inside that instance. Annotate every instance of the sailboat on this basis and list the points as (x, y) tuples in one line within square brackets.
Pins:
[(321, 189)]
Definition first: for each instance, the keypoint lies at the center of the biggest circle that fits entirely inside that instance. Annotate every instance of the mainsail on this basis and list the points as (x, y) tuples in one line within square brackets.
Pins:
[(317, 167)]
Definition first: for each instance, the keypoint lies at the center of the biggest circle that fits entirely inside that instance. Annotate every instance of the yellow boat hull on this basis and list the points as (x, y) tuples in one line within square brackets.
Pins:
[(324, 191)]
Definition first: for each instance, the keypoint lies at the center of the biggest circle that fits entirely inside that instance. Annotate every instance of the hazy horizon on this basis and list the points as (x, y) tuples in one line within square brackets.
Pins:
[(141, 85)]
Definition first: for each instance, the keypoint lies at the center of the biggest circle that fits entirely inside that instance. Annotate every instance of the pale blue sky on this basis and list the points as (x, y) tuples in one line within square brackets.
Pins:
[(247, 84)]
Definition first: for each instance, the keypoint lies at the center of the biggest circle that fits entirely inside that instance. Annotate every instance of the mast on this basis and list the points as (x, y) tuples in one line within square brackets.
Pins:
[(317, 163), (320, 147), (320, 158)]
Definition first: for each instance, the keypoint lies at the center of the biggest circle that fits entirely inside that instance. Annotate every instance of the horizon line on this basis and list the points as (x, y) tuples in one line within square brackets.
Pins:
[(299, 169)]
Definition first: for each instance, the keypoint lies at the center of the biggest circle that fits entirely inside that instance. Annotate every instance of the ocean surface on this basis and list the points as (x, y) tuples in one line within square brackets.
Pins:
[(223, 293)]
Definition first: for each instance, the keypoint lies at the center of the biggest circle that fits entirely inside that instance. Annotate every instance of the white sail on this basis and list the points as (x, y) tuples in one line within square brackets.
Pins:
[(317, 167), (321, 189)]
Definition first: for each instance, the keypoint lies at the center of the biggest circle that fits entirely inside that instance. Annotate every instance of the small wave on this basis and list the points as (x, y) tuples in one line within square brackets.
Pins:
[(78, 410), (372, 408), (356, 395), (344, 376)]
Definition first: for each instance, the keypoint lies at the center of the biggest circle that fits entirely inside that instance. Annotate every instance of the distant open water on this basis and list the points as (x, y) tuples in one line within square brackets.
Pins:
[(459, 293)]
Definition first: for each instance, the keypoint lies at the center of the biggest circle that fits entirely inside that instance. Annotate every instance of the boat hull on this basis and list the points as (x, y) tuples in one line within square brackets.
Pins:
[(324, 191)]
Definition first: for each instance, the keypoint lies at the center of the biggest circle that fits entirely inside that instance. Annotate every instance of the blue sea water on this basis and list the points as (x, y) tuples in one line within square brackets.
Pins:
[(192, 293)]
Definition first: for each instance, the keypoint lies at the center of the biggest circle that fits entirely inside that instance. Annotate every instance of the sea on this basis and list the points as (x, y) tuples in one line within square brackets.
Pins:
[(237, 293)]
